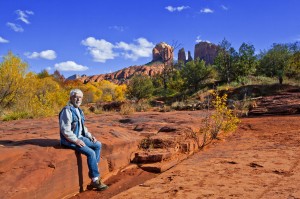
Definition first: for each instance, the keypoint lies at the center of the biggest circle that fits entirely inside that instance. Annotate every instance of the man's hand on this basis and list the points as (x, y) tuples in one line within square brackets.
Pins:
[(80, 143), (94, 139)]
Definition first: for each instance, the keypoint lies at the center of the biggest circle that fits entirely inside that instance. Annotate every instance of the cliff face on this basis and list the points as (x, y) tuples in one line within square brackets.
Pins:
[(163, 52), (206, 51)]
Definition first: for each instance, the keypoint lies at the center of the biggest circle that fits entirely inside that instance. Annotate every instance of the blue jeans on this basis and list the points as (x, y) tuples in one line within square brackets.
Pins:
[(92, 151)]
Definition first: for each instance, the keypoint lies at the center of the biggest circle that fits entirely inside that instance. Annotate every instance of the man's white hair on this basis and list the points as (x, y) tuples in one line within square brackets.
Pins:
[(76, 91)]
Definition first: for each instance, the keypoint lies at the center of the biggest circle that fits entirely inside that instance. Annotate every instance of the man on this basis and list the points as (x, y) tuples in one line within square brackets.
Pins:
[(75, 135)]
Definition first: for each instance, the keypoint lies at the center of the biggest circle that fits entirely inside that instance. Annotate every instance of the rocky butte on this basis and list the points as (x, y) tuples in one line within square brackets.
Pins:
[(206, 51), (162, 54)]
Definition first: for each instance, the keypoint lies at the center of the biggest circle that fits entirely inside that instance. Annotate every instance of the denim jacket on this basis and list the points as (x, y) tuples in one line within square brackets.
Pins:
[(69, 126)]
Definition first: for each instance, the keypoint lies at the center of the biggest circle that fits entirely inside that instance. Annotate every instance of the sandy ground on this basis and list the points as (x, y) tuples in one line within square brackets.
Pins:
[(259, 160)]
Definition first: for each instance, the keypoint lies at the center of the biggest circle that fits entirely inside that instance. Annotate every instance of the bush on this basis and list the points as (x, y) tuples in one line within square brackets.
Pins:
[(140, 87), (221, 120)]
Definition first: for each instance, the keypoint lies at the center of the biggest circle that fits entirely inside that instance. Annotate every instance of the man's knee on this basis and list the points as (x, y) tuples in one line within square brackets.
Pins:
[(98, 144)]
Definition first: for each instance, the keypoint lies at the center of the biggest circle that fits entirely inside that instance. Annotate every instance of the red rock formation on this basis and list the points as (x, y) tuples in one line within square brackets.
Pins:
[(285, 103), (181, 56), (162, 52), (206, 51), (33, 165), (123, 75)]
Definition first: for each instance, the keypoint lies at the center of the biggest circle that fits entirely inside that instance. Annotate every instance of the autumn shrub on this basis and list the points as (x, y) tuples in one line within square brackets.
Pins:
[(12, 72), (222, 119), (109, 91), (45, 96)]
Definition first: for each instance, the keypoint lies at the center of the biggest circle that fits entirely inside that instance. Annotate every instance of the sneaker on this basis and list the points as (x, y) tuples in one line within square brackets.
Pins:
[(98, 185)]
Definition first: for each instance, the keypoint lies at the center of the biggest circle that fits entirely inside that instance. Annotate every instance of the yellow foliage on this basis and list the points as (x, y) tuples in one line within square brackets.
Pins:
[(222, 119), (44, 97), (12, 71), (110, 91), (120, 92), (25, 95)]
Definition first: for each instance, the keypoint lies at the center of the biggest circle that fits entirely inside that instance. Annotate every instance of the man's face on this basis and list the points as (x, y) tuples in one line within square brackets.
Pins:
[(76, 100)]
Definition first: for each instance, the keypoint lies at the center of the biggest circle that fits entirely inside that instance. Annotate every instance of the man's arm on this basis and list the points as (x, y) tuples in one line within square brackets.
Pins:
[(65, 121), (89, 135)]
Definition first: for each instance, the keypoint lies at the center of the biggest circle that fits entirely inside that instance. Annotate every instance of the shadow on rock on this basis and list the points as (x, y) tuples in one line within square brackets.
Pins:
[(55, 143)]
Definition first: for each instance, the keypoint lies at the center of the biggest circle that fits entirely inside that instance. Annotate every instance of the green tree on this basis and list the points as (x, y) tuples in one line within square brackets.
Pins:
[(140, 87), (225, 61), (195, 73), (274, 62), (12, 72), (246, 60), (176, 82)]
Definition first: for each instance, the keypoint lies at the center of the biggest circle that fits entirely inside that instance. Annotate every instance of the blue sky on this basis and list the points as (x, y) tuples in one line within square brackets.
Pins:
[(101, 36)]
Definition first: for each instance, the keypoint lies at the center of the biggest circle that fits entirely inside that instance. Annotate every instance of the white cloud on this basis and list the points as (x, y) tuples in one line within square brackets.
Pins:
[(179, 8), (200, 40), (46, 54), (15, 27), (23, 15), (70, 66), (2, 40), (117, 28), (206, 10), (48, 68), (224, 7), (100, 50), (143, 48)]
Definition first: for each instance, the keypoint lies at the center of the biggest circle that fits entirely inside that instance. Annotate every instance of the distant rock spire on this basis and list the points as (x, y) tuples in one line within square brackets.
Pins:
[(190, 58), (181, 56)]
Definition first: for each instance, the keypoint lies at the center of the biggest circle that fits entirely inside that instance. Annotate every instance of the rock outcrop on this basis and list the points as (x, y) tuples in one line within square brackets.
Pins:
[(286, 103), (206, 51), (181, 56), (122, 76), (163, 52), (34, 165)]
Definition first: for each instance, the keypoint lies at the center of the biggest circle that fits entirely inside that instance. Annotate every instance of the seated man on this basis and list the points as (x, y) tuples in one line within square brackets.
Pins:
[(75, 135)]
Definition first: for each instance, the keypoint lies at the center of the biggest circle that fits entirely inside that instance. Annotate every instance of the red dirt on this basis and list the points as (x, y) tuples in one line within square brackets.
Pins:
[(260, 160)]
